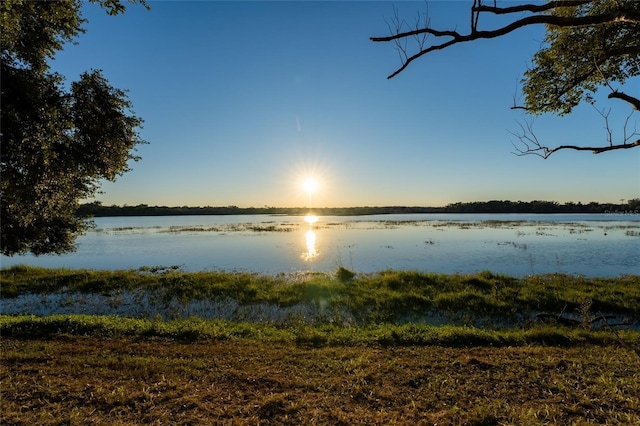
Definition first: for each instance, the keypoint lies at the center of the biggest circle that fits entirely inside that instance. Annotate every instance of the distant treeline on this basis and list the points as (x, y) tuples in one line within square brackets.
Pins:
[(96, 209), (631, 206)]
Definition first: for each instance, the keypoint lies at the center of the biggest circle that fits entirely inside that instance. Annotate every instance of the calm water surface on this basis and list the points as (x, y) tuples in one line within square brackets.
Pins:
[(515, 244)]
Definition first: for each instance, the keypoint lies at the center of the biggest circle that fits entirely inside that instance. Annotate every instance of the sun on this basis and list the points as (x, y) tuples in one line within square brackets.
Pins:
[(310, 185), (309, 179)]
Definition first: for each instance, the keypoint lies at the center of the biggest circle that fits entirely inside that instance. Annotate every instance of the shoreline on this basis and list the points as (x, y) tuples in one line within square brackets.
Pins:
[(96, 209)]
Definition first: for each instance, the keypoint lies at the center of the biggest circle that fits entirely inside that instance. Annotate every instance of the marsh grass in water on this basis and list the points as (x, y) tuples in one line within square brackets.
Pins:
[(223, 228), (398, 297), (272, 226)]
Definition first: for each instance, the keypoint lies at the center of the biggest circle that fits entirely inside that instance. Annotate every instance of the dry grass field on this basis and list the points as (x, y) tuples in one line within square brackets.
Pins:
[(72, 380)]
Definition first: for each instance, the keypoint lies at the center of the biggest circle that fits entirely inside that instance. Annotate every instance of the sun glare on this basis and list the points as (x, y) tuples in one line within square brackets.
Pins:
[(309, 181), (310, 219), (310, 185)]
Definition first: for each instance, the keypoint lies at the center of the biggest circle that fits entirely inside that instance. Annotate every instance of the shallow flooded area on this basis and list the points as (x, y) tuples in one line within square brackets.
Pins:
[(514, 244)]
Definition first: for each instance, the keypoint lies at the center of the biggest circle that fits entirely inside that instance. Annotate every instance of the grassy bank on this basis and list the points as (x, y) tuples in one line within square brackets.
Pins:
[(490, 359), (382, 335)]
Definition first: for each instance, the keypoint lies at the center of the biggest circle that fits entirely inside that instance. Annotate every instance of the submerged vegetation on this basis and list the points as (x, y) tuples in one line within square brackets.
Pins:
[(523, 227), (394, 347), (346, 298)]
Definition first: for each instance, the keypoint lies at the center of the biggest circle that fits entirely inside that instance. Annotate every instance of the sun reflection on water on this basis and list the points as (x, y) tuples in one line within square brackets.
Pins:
[(311, 252), (310, 237), (310, 219)]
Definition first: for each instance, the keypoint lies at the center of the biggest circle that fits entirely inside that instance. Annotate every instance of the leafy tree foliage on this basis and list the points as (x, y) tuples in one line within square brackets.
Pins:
[(589, 45), (578, 60), (56, 144)]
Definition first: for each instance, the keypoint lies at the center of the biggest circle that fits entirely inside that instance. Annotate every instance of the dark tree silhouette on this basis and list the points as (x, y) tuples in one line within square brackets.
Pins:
[(56, 144)]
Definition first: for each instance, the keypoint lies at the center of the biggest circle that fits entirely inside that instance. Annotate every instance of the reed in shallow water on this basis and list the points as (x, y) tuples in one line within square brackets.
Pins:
[(396, 297)]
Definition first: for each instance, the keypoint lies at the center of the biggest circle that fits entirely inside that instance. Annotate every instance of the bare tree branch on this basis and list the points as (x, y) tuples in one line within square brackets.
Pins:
[(530, 145), (595, 150), (624, 129), (629, 16), (535, 8), (605, 116), (552, 20), (545, 152)]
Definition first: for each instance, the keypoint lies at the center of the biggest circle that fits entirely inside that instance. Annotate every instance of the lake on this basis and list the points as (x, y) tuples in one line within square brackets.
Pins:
[(514, 244)]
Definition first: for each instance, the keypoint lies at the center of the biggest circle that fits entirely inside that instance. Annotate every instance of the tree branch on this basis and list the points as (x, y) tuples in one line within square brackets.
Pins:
[(635, 102), (630, 50), (532, 146), (545, 152), (623, 20), (595, 150), (551, 20), (535, 8)]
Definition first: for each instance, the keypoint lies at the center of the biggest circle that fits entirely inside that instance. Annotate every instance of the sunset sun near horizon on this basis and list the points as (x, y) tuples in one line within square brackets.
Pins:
[(310, 185)]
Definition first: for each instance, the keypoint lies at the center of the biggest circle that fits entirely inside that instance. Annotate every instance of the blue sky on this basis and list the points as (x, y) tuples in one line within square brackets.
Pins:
[(243, 100)]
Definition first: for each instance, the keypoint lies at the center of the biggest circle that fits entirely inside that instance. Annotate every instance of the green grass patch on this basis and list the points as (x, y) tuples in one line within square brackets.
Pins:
[(387, 296), (196, 329)]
